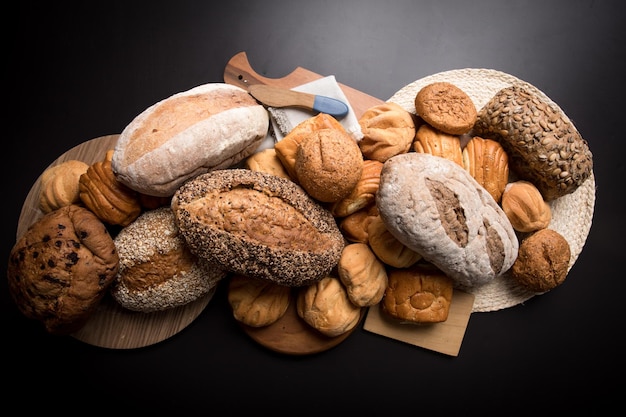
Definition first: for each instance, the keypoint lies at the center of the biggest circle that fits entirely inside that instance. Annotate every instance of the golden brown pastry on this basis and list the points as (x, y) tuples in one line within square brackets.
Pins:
[(354, 226), (446, 107), (388, 130), (110, 200), (287, 147), (267, 161), (389, 249), (435, 142), (329, 164), (363, 194), (255, 302), (418, 295), (61, 268), (543, 261), (525, 207), (362, 274), (325, 306), (487, 163), (59, 185)]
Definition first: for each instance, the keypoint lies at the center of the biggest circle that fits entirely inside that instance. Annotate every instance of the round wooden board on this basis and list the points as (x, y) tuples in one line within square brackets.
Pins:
[(112, 326), (293, 336)]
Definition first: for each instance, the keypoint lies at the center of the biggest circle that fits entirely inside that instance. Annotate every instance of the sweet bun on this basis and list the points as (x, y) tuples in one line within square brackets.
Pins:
[(259, 225), (61, 268), (420, 294), (208, 127), (329, 164), (256, 302), (388, 130), (59, 185), (436, 208), (325, 306), (157, 270)]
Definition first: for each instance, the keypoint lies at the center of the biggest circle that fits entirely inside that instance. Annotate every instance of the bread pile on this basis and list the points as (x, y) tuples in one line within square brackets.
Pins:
[(424, 203)]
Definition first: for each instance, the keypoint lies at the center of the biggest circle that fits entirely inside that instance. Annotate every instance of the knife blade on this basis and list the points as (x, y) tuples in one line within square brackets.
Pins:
[(282, 97)]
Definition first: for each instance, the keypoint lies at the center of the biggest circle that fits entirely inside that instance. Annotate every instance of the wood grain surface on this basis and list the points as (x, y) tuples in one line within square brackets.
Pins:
[(112, 326)]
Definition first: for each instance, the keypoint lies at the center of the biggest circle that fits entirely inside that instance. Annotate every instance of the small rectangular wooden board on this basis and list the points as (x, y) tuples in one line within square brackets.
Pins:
[(445, 337)]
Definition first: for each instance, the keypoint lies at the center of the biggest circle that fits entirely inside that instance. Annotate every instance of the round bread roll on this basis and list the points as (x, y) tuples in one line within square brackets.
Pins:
[(59, 185), (325, 306), (208, 127), (543, 261), (157, 270), (446, 107), (329, 164), (259, 225), (256, 302), (388, 130), (436, 208), (61, 267)]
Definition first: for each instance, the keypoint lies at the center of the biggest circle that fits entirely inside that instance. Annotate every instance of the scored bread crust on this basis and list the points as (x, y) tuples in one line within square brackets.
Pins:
[(208, 127), (257, 224)]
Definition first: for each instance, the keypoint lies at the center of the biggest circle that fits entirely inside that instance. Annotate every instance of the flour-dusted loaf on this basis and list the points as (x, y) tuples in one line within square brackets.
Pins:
[(259, 225), (208, 127), (61, 268), (435, 207)]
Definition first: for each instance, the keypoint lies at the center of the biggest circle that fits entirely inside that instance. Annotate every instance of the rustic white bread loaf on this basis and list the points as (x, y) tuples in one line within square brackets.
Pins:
[(208, 127), (436, 208)]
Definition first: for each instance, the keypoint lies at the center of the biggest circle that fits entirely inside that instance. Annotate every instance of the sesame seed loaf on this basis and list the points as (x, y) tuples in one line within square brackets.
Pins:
[(157, 271), (543, 145), (257, 224)]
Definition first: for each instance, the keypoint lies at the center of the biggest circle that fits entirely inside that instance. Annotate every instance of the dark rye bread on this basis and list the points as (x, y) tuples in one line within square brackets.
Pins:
[(259, 225)]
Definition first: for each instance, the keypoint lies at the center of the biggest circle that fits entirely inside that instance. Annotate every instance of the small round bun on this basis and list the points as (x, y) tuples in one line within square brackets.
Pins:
[(446, 107), (542, 261), (329, 164), (157, 270), (60, 269)]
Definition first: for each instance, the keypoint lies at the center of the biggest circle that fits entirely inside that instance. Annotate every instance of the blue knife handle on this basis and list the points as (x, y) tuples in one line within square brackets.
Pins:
[(334, 107)]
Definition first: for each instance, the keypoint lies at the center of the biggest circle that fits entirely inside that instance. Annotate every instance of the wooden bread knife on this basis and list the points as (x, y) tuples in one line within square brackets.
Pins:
[(282, 97)]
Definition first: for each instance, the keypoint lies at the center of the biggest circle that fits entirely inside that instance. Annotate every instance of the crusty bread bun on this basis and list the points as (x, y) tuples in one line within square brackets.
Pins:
[(61, 268), (257, 302), (157, 270), (446, 107), (208, 127), (259, 225), (388, 130), (59, 185), (329, 164)]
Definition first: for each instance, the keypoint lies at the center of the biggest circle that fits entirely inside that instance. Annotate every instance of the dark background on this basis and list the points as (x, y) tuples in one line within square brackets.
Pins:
[(79, 73)]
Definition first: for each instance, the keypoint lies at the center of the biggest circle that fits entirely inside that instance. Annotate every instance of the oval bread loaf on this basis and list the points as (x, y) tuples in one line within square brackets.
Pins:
[(435, 207), (257, 224), (208, 127)]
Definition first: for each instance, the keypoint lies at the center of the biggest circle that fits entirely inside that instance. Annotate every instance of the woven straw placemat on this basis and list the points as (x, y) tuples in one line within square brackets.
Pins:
[(571, 214)]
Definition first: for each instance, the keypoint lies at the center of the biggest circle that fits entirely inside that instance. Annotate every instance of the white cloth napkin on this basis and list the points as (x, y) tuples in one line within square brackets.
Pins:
[(284, 119)]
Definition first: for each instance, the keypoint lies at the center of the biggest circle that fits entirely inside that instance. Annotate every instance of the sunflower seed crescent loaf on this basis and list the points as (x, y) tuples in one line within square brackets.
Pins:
[(543, 145), (434, 207)]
